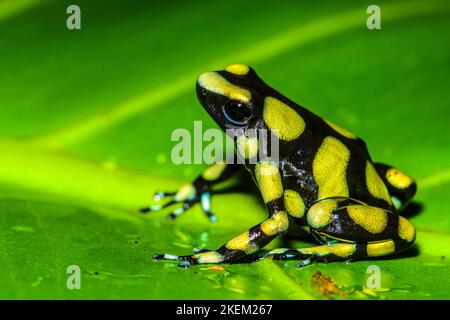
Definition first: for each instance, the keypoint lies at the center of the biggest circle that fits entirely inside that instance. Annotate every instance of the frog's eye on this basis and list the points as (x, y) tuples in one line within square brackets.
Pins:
[(237, 112)]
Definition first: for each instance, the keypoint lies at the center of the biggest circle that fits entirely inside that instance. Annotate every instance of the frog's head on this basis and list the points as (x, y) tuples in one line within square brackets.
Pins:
[(232, 96)]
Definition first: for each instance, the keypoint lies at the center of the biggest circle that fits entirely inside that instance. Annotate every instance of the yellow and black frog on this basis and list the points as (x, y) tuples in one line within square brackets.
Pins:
[(323, 178)]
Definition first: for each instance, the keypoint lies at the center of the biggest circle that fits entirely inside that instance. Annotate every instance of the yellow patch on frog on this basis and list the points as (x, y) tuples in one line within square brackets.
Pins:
[(294, 203), (372, 219), (338, 249), (340, 130), (238, 69), (375, 185), (320, 214), (214, 82), (381, 248), (209, 257), (406, 229), (186, 192), (242, 242), (284, 121), (269, 181), (213, 172), (276, 224), (329, 168), (247, 146), (398, 179)]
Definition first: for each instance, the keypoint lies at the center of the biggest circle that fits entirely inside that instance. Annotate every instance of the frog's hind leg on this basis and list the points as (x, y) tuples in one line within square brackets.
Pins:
[(401, 187), (374, 231), (338, 251), (349, 230)]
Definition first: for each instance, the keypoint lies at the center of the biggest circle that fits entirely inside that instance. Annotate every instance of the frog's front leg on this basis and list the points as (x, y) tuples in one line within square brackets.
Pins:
[(351, 230), (197, 192), (244, 244), (249, 242)]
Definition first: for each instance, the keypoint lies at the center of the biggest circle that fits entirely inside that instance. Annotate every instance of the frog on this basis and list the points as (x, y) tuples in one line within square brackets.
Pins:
[(323, 179)]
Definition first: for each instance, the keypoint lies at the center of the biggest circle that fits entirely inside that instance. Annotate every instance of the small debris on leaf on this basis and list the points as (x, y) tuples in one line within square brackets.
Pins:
[(326, 285)]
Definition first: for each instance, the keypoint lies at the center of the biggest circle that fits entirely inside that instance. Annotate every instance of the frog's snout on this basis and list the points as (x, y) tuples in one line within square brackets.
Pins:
[(202, 94), (205, 81)]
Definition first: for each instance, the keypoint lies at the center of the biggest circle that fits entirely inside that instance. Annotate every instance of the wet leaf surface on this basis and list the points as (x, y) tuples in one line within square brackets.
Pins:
[(86, 119)]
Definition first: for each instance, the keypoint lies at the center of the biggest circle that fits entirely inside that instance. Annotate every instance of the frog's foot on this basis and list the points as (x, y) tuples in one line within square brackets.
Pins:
[(316, 258), (187, 196), (281, 254), (288, 254), (323, 253), (201, 256)]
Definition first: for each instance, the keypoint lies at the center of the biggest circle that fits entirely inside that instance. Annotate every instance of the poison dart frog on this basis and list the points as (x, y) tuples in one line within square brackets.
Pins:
[(324, 179)]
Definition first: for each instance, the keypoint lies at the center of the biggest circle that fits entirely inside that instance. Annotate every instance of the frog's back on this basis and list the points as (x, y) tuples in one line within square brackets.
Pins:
[(328, 161)]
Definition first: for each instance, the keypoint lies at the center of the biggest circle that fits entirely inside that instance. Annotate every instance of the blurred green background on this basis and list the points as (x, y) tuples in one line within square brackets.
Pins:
[(86, 117)]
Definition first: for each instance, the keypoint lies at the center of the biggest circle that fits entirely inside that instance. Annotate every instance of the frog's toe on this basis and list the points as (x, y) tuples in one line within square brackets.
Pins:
[(187, 261), (158, 196), (156, 207), (165, 256), (179, 211), (145, 210), (211, 216), (304, 263), (175, 213), (282, 254), (168, 256), (185, 264), (205, 202), (314, 259), (201, 250)]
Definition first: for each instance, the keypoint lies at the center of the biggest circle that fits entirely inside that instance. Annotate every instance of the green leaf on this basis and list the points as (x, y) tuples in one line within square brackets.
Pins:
[(86, 118)]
